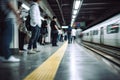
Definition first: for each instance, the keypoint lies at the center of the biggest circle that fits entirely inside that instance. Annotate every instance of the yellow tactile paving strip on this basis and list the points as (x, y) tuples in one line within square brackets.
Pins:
[(48, 69)]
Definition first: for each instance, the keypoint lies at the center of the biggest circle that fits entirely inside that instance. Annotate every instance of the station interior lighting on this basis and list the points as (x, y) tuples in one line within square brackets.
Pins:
[(74, 12), (73, 16), (76, 7)]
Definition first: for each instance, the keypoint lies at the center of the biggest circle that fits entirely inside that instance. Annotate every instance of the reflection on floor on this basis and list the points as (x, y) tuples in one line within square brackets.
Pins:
[(77, 64)]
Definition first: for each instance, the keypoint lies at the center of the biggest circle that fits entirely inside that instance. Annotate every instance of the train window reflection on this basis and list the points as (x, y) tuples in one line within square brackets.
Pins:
[(114, 28)]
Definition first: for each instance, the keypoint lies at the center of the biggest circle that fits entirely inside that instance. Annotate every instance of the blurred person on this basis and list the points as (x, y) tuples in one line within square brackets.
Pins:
[(78, 34), (73, 34), (69, 29), (22, 34), (65, 35), (60, 35), (44, 31), (54, 31), (7, 16), (35, 22)]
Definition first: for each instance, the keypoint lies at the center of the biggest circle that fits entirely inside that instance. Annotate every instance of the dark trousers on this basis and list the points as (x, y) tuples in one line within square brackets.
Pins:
[(6, 28), (21, 40), (69, 38), (34, 37), (54, 37)]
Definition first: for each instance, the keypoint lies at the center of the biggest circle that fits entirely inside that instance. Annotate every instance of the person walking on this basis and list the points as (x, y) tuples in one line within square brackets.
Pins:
[(69, 29), (7, 16), (54, 31), (35, 22), (73, 34)]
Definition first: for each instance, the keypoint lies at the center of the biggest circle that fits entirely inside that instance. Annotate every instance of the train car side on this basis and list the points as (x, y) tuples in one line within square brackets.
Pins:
[(107, 32)]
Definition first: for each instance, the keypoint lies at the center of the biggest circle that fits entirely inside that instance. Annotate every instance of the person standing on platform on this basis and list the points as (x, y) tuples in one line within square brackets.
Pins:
[(69, 33), (22, 33), (44, 30), (60, 35), (35, 22), (54, 31), (7, 16), (73, 34)]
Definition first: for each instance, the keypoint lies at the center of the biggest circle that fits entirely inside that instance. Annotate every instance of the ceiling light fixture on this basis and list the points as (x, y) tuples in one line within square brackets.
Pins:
[(76, 7), (73, 16), (75, 12), (77, 4)]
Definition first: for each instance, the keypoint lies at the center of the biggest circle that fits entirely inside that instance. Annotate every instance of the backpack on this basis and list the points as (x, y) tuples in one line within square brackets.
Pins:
[(27, 23), (69, 30), (44, 23), (43, 27)]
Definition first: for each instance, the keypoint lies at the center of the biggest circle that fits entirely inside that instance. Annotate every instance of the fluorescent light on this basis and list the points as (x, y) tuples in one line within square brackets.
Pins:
[(76, 7), (75, 12), (72, 23), (64, 26), (77, 4), (72, 20), (73, 16), (25, 6)]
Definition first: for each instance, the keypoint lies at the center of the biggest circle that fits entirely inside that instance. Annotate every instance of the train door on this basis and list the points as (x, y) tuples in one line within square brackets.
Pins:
[(102, 35)]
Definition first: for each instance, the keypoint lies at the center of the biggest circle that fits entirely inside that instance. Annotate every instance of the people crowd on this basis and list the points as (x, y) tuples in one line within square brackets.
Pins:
[(39, 30)]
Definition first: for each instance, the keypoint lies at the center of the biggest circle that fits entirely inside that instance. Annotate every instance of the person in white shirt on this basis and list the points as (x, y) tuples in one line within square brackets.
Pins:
[(60, 35), (73, 34), (35, 22)]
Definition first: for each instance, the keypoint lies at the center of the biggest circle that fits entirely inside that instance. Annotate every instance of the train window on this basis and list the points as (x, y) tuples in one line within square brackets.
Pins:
[(95, 32), (87, 34), (114, 28)]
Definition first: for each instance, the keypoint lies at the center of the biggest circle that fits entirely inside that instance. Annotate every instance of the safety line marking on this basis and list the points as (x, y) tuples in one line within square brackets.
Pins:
[(48, 69)]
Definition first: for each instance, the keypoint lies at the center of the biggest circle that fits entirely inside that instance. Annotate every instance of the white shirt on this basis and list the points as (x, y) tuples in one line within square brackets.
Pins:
[(73, 32), (60, 32), (35, 15)]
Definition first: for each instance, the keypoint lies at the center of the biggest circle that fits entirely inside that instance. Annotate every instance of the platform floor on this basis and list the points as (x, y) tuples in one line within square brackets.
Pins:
[(65, 62)]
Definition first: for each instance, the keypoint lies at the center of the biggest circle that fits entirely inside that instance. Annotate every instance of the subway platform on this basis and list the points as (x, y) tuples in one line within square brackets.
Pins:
[(64, 62)]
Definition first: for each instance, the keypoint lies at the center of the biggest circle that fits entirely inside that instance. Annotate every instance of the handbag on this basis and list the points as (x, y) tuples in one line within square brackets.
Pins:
[(22, 28)]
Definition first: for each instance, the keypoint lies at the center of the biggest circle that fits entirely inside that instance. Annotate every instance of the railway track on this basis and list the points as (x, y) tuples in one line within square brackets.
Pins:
[(110, 53)]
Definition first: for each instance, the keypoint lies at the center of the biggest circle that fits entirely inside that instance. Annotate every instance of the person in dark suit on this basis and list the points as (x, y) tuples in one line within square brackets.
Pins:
[(69, 33), (54, 31)]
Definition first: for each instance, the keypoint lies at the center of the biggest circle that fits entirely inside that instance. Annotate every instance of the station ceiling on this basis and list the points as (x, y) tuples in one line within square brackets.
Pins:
[(91, 11)]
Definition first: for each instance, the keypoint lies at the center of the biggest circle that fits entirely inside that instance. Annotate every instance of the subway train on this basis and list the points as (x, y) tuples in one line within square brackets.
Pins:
[(106, 32)]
